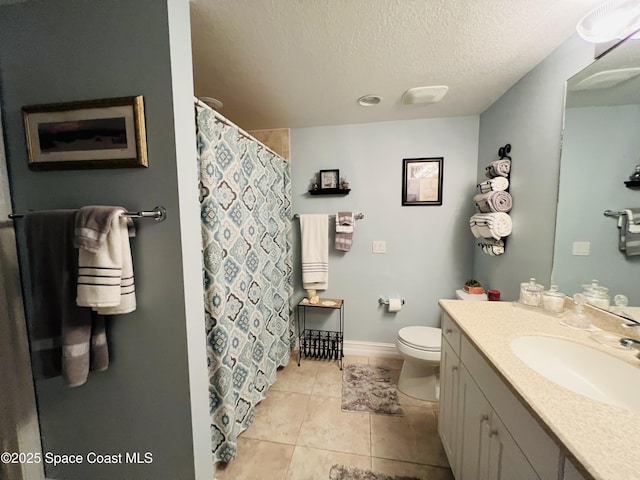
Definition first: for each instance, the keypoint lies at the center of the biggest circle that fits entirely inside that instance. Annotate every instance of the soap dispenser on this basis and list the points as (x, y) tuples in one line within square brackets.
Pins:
[(577, 318)]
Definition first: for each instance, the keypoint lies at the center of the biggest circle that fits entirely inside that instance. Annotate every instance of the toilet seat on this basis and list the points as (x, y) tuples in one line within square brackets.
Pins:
[(426, 339)]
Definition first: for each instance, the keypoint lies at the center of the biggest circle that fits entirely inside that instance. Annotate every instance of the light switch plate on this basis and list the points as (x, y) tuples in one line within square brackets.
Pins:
[(379, 246), (581, 248)]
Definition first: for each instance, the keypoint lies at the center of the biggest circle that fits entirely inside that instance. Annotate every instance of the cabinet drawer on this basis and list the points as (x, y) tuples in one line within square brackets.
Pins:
[(537, 446), (451, 332)]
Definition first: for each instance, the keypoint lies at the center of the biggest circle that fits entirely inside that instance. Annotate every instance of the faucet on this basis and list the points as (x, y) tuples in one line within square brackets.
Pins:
[(631, 343)]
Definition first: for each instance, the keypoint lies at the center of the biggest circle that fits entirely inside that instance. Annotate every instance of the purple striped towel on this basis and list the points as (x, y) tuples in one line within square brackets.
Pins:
[(344, 231)]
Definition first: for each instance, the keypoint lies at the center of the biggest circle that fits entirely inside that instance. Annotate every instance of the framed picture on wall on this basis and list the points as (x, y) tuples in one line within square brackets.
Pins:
[(422, 181), (329, 179), (106, 133)]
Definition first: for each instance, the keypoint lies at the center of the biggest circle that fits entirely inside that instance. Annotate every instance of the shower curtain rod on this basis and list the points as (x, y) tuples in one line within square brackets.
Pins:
[(222, 119), (357, 216), (158, 213)]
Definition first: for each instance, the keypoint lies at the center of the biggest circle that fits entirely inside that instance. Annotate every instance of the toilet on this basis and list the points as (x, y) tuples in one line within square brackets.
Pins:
[(420, 349)]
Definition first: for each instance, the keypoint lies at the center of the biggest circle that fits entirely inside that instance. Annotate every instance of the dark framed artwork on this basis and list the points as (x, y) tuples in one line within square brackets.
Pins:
[(329, 179), (106, 133), (422, 181)]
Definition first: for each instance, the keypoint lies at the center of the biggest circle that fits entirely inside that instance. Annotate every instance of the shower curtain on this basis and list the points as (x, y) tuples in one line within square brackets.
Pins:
[(245, 202)]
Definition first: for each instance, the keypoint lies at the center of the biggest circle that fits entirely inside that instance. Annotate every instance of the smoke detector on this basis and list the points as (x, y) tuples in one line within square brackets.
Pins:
[(419, 95)]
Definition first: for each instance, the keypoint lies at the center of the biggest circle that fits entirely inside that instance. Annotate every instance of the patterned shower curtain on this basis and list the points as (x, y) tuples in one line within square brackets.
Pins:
[(245, 202)]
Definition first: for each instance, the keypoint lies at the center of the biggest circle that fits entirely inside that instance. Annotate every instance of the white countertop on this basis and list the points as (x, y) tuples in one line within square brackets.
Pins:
[(603, 438)]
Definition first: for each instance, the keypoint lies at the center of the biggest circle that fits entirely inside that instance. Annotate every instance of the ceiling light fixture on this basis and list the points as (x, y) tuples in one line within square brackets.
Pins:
[(369, 100), (615, 19), (212, 102), (606, 79), (418, 95)]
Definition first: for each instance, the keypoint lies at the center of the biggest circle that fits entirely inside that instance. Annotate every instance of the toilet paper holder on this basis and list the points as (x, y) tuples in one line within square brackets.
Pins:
[(382, 301)]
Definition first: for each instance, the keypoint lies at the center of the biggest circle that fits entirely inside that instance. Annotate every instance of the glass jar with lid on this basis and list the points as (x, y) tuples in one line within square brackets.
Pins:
[(531, 293), (597, 295), (553, 300)]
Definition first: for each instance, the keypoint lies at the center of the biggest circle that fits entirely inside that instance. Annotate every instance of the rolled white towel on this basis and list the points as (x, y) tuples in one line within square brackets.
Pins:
[(497, 184), (498, 168), (491, 225), (493, 202), (492, 247)]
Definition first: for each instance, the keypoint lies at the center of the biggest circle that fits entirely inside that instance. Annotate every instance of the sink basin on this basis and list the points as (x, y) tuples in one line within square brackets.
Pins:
[(581, 369)]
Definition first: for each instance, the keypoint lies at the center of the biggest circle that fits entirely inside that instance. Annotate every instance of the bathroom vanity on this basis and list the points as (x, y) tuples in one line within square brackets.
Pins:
[(500, 419)]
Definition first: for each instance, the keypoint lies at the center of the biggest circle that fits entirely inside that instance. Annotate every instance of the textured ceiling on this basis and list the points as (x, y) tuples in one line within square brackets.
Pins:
[(296, 63)]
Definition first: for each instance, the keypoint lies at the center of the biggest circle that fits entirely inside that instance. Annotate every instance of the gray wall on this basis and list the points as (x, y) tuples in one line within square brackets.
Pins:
[(153, 396), (600, 148), (429, 250), (529, 117)]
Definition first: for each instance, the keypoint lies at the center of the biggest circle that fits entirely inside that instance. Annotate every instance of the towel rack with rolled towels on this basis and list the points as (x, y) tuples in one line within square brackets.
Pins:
[(158, 213), (357, 216)]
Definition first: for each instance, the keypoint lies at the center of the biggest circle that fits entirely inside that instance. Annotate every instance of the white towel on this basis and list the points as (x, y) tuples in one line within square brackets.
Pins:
[(498, 168), (100, 272), (492, 247), (314, 232), (493, 202), (491, 225), (498, 184), (127, 284)]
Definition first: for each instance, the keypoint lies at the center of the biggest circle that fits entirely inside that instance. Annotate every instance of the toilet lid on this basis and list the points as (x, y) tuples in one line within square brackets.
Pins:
[(424, 338)]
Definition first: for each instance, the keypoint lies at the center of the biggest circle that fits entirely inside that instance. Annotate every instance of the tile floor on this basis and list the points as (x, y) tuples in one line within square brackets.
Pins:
[(300, 431)]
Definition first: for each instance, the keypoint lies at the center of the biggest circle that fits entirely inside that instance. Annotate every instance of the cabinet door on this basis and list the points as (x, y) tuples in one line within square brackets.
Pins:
[(506, 460), (474, 415), (447, 415)]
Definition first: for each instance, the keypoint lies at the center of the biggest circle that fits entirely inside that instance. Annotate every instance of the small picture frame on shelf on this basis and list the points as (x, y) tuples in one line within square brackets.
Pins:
[(329, 179)]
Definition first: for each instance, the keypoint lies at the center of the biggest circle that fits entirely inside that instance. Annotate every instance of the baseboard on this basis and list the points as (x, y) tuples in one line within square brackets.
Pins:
[(370, 349)]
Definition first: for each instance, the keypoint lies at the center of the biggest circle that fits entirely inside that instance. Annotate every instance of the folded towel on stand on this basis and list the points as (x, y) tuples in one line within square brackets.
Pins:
[(629, 232), (491, 225), (314, 233), (494, 185), (493, 202), (498, 168), (60, 330), (345, 224)]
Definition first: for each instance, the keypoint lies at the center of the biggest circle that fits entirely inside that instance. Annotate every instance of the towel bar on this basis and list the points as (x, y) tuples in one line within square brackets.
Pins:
[(611, 213), (158, 213)]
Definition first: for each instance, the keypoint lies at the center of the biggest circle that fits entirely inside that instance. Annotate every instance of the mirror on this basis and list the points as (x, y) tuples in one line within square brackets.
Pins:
[(600, 149)]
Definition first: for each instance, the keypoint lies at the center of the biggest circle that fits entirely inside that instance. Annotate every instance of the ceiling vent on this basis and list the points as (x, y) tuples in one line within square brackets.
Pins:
[(419, 95)]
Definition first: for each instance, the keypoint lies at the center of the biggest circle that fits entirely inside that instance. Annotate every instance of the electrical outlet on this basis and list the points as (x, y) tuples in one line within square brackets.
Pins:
[(379, 246)]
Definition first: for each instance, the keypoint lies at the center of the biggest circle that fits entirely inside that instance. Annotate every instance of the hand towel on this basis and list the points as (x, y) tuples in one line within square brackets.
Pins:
[(629, 232), (100, 272), (92, 225), (494, 185), (60, 330), (493, 202), (127, 283), (314, 232), (345, 224), (498, 168), (491, 225)]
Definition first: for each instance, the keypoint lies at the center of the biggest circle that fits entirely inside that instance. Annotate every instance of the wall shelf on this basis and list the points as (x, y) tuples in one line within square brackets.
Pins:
[(632, 183), (330, 191)]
